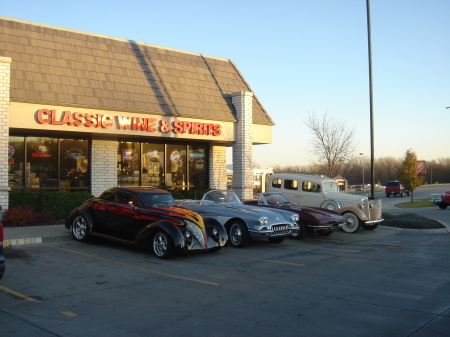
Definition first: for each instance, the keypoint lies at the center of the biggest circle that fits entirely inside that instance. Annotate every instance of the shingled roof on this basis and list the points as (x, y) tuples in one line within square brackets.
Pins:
[(58, 66)]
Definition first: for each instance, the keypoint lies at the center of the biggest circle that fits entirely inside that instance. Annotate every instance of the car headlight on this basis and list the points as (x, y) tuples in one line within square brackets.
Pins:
[(215, 234), (263, 221), (295, 218), (361, 204), (188, 235)]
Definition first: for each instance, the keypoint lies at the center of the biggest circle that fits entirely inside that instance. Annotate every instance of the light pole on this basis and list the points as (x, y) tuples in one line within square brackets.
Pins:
[(362, 163)]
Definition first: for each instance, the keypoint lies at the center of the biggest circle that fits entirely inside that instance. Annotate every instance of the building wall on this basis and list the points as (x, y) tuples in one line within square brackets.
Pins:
[(243, 146), (104, 166), (218, 167), (5, 82)]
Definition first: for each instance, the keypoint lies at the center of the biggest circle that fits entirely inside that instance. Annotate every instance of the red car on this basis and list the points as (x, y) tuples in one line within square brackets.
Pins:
[(312, 219)]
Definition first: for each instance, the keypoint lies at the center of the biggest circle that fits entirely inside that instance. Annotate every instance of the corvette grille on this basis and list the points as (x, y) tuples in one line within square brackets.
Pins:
[(281, 229)]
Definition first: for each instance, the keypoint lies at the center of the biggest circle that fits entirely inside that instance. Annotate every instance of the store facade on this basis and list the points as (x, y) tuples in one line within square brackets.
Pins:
[(85, 112)]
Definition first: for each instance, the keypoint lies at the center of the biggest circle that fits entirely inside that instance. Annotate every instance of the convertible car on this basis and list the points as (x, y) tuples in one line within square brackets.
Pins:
[(312, 219), (244, 222), (146, 217)]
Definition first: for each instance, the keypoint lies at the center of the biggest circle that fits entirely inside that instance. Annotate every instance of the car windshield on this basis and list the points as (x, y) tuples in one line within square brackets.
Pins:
[(221, 197), (157, 200), (330, 187), (273, 199)]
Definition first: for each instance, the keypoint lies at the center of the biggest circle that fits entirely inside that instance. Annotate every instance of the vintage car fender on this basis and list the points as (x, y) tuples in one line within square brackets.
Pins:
[(358, 212), (168, 227), (213, 223), (85, 212)]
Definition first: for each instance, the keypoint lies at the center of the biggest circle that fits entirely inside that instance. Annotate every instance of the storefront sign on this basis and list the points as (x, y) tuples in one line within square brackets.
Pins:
[(97, 120), (41, 151)]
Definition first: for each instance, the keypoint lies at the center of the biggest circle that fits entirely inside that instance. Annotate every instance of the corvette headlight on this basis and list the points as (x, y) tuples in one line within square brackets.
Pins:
[(295, 218), (263, 221)]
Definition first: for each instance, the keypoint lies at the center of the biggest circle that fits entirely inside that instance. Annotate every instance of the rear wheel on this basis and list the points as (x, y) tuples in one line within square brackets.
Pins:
[(237, 234), (352, 223), (80, 230), (442, 205), (162, 245)]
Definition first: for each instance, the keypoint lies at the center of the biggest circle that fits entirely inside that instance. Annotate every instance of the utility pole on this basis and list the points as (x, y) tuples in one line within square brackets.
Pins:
[(372, 171)]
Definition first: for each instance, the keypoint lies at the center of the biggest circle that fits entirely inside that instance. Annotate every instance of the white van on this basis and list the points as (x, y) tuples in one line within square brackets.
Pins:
[(309, 190)]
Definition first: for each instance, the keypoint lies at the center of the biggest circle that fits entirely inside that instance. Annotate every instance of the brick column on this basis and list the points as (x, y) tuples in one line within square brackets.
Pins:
[(243, 145), (104, 166), (218, 167), (5, 82)]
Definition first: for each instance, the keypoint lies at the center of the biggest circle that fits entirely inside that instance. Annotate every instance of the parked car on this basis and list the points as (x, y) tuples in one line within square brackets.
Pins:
[(244, 222), (2, 259), (309, 190), (395, 188), (146, 217), (442, 200), (312, 219)]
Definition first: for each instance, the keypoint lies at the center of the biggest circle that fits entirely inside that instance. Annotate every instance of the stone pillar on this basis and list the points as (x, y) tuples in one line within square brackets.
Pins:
[(5, 83), (104, 166), (218, 167), (243, 145)]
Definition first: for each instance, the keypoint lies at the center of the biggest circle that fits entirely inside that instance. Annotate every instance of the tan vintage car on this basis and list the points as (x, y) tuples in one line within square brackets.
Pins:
[(315, 191)]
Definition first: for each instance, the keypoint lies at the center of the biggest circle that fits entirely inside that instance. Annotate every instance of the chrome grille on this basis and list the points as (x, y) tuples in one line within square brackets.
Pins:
[(281, 229)]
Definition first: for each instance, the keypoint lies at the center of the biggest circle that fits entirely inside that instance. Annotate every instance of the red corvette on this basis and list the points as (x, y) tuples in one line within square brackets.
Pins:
[(312, 219), (145, 217)]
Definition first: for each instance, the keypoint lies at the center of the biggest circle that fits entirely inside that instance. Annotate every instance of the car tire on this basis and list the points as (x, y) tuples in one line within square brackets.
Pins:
[(237, 234), (388, 195), (351, 224), (80, 228), (303, 231), (442, 205), (402, 194), (277, 240), (369, 227), (330, 205), (162, 245)]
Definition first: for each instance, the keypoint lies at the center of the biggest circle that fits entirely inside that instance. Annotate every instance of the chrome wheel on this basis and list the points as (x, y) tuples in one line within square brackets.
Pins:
[(238, 235), (162, 245), (79, 228)]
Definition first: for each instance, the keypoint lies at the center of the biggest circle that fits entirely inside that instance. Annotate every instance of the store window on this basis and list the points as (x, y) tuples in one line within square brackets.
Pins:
[(48, 163), (197, 166), (176, 166), (128, 164), (153, 164)]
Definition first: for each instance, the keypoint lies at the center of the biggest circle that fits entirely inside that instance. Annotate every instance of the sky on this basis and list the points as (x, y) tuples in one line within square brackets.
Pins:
[(301, 57)]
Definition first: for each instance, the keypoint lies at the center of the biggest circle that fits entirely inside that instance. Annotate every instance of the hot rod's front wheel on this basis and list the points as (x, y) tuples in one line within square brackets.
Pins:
[(80, 230), (162, 245)]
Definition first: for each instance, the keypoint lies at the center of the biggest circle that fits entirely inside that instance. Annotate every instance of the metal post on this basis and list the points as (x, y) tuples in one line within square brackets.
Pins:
[(372, 171)]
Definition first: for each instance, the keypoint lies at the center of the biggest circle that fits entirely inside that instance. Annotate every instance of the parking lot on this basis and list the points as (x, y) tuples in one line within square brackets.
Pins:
[(386, 282)]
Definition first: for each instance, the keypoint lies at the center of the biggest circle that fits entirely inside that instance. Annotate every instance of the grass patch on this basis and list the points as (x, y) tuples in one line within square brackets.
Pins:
[(411, 221), (416, 203)]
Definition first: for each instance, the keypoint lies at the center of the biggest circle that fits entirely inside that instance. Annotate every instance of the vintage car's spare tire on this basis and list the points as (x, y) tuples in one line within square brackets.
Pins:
[(277, 240), (162, 245), (352, 222), (303, 231), (237, 234), (80, 229)]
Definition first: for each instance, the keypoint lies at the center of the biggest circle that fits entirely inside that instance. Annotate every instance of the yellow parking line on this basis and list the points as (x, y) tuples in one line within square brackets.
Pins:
[(254, 258), (131, 266), (68, 313), (15, 293), (320, 247)]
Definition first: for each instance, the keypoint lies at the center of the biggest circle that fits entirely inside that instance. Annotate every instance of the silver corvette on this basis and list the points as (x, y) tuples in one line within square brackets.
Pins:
[(244, 222)]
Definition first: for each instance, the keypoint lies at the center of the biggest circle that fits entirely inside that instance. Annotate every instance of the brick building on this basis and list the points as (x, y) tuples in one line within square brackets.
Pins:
[(84, 112)]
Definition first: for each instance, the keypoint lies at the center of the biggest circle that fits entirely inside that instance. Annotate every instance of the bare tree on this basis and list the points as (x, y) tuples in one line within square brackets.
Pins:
[(332, 142)]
